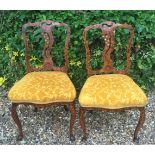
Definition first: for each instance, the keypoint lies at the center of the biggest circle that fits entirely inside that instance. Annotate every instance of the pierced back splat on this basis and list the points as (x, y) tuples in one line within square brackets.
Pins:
[(47, 33), (108, 31)]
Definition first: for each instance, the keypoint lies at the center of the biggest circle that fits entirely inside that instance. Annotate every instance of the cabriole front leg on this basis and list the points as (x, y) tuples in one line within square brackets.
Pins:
[(17, 121), (82, 122), (72, 121), (140, 123)]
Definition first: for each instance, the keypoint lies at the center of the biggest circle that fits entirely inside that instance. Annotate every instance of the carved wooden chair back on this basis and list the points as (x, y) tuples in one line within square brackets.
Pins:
[(108, 32), (46, 27)]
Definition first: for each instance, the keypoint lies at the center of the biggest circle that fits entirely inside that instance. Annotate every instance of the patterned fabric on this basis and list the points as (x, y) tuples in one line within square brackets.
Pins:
[(43, 87), (111, 91)]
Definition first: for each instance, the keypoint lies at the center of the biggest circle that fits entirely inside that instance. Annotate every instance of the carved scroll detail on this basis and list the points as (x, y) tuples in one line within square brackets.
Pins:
[(46, 29), (108, 29)]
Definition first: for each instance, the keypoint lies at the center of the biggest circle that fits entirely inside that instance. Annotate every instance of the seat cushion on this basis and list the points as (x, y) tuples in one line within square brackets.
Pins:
[(43, 87), (111, 91)]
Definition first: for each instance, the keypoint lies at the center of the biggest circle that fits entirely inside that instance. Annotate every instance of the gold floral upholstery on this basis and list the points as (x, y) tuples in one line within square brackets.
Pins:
[(43, 87), (111, 91)]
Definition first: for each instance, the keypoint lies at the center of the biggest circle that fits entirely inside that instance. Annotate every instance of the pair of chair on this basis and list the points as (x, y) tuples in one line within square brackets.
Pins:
[(49, 85)]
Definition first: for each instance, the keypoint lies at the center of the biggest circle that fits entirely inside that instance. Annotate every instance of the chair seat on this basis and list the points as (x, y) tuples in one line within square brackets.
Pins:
[(111, 91), (43, 88)]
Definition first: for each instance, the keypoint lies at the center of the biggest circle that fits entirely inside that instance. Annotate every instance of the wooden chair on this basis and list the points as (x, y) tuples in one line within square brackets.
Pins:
[(48, 85), (110, 92)]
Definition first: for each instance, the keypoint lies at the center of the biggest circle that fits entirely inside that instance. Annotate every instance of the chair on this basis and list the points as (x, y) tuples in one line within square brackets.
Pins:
[(47, 85), (110, 92)]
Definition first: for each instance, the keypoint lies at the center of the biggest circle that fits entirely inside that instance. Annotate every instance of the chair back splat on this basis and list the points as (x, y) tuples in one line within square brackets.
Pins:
[(47, 33), (47, 85), (108, 32)]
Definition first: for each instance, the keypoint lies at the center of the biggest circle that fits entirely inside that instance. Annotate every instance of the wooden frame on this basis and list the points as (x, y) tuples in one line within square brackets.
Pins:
[(108, 30), (46, 30)]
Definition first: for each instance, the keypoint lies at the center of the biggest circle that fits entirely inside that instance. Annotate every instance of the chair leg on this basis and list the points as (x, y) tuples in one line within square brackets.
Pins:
[(140, 123), (35, 109), (72, 121), (82, 122), (90, 111), (17, 121), (66, 108)]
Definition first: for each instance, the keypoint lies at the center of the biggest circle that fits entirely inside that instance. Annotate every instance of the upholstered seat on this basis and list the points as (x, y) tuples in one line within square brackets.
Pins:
[(111, 91), (43, 88)]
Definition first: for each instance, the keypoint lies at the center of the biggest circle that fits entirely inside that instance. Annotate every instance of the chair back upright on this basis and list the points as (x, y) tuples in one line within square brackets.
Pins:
[(108, 33), (47, 33)]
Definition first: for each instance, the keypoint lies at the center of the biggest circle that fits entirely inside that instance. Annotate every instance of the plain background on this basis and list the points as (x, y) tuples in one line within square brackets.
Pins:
[(77, 4)]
